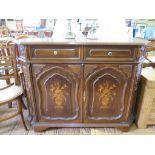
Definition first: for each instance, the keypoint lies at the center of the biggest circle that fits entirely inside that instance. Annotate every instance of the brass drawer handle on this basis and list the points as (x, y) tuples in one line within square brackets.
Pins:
[(109, 53), (55, 52)]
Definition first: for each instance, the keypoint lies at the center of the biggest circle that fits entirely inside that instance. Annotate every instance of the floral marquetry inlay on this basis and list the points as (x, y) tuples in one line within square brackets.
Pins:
[(58, 94), (105, 92)]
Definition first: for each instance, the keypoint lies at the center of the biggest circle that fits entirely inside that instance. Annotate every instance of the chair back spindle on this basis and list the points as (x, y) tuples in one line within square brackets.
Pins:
[(8, 64)]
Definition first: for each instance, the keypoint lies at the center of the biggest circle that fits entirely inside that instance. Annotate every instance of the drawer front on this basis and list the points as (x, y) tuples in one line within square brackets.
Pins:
[(103, 53), (55, 52)]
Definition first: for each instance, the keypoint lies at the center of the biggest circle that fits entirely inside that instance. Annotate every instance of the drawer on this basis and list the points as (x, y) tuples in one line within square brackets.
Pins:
[(103, 53), (55, 52)]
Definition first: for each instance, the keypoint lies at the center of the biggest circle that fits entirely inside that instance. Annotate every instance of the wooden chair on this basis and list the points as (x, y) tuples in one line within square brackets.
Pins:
[(4, 31), (5, 52), (150, 60), (13, 91), (5, 73)]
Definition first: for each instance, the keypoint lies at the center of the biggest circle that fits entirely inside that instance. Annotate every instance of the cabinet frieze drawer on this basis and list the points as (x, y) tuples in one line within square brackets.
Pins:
[(56, 53), (108, 53)]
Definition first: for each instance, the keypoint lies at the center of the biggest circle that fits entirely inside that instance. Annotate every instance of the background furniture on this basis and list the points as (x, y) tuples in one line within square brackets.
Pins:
[(146, 97), (81, 84), (146, 106), (13, 91), (150, 56), (4, 31)]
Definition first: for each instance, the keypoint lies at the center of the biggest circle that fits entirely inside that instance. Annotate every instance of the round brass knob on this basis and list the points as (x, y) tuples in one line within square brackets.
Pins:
[(109, 53), (55, 52)]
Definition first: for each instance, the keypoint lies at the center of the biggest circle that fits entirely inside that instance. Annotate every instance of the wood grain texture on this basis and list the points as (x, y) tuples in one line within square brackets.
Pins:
[(105, 90), (81, 85), (57, 92)]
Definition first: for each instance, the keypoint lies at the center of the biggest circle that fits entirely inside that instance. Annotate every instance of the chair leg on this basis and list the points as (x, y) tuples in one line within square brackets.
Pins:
[(8, 82), (23, 104), (28, 107), (20, 103)]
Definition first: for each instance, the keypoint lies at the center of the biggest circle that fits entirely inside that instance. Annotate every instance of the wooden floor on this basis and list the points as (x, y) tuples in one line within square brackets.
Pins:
[(14, 127)]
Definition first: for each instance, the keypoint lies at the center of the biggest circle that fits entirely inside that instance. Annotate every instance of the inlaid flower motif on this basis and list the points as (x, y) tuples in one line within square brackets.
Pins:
[(105, 92), (58, 93)]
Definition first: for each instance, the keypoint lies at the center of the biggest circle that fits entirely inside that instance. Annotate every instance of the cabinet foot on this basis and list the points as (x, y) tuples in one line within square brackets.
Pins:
[(123, 129), (40, 128)]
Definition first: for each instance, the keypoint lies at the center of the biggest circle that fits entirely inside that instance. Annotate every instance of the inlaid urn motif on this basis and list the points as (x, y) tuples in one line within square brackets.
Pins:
[(58, 94), (106, 92)]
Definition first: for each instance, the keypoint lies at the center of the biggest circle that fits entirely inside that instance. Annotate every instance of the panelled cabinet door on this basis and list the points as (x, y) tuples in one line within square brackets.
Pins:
[(58, 94), (106, 94)]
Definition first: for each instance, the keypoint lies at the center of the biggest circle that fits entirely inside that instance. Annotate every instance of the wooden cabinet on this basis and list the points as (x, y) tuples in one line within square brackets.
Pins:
[(81, 85)]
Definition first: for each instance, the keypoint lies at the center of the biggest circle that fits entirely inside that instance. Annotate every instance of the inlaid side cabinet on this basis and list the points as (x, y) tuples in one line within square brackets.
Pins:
[(81, 85)]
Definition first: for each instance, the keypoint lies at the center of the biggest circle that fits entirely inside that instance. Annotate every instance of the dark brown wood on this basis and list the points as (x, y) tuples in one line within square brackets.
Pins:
[(55, 52), (81, 85), (57, 92), (40, 128), (27, 80), (123, 129), (113, 53), (107, 92)]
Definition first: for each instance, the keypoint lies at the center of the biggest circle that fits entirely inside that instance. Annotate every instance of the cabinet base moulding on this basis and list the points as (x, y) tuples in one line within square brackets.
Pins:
[(38, 127)]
